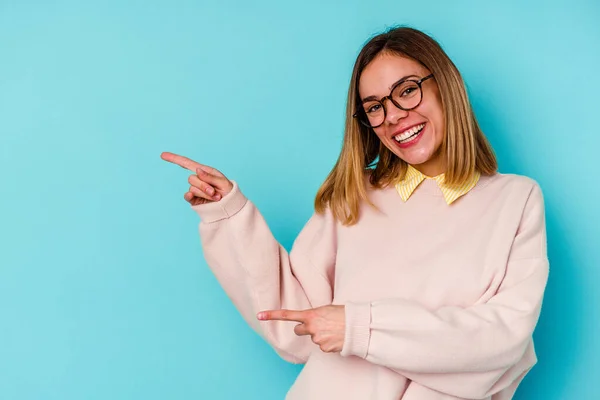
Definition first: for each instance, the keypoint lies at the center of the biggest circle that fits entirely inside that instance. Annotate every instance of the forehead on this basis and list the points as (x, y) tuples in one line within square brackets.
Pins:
[(385, 70)]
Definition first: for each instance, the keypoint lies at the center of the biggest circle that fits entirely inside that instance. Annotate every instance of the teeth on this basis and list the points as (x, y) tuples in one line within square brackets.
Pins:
[(408, 133)]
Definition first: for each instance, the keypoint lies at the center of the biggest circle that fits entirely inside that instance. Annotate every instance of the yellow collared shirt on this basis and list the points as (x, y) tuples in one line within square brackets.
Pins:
[(414, 177)]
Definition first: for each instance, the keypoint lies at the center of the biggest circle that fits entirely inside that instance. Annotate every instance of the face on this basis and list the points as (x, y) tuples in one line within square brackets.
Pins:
[(415, 136)]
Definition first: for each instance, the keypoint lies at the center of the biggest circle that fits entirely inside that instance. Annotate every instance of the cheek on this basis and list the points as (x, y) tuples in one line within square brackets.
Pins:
[(440, 125), (435, 115), (438, 115), (380, 132)]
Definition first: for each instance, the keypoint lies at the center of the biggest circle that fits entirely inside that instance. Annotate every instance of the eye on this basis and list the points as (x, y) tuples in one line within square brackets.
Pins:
[(373, 108), (408, 91)]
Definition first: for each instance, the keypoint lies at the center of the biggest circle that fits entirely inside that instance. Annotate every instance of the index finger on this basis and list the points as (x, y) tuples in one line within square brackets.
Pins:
[(182, 161), (282, 315)]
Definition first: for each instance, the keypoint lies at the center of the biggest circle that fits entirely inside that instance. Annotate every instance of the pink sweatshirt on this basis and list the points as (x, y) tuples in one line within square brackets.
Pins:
[(441, 300)]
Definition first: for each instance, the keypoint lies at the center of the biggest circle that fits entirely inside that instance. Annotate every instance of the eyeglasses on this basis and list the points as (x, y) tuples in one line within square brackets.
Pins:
[(406, 95)]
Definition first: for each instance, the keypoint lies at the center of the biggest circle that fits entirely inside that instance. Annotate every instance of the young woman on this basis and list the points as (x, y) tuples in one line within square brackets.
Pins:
[(422, 271)]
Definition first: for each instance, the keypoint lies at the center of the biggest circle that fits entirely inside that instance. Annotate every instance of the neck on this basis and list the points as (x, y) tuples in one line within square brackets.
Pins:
[(436, 165), (430, 169)]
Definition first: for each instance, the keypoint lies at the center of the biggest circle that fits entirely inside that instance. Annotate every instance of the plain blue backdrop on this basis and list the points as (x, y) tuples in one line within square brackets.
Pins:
[(104, 293)]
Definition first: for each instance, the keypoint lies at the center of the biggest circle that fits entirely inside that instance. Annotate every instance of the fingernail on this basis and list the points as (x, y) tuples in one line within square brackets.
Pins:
[(210, 191), (217, 196), (260, 315)]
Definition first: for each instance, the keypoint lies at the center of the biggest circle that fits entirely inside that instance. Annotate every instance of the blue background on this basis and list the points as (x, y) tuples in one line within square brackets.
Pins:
[(103, 290)]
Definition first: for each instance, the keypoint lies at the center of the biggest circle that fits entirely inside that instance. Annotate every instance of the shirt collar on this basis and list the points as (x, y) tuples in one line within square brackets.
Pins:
[(414, 177)]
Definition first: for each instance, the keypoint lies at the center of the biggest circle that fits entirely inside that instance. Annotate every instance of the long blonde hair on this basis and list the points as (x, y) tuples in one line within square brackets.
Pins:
[(465, 147)]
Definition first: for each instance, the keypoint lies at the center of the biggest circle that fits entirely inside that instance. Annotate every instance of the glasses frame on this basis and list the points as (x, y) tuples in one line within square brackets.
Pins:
[(389, 96)]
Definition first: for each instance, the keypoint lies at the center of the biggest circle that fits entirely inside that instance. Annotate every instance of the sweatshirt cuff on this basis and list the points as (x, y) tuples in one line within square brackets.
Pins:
[(228, 206), (358, 331)]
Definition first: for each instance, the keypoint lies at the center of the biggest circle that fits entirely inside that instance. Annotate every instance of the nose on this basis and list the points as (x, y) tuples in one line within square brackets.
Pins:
[(393, 113)]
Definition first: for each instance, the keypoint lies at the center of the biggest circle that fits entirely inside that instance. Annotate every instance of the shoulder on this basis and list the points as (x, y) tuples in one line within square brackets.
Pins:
[(509, 183), (511, 191)]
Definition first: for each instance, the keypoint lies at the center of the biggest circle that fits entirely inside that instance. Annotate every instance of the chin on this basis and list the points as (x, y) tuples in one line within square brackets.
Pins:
[(412, 158)]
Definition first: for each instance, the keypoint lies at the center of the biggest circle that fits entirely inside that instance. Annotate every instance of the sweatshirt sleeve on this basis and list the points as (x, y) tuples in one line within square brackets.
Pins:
[(257, 273), (470, 352)]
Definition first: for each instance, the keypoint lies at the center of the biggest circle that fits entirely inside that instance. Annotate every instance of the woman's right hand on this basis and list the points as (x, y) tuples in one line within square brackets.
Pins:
[(207, 184)]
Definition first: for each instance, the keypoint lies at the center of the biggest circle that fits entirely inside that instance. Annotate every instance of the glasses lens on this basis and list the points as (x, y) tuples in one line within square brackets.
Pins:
[(373, 114), (407, 95)]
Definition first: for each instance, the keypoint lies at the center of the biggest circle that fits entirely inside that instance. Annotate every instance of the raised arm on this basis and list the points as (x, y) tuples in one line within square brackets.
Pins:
[(255, 271)]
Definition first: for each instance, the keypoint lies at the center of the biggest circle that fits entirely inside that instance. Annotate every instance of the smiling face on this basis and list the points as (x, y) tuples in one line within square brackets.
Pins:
[(415, 136)]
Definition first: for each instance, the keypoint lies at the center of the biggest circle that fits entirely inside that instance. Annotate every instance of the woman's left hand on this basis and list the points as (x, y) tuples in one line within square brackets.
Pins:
[(326, 325)]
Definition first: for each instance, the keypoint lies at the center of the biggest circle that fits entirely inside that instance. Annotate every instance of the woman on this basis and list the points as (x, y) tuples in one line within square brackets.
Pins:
[(421, 273)]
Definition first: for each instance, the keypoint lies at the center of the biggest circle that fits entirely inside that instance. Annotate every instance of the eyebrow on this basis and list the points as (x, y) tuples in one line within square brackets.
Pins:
[(371, 98)]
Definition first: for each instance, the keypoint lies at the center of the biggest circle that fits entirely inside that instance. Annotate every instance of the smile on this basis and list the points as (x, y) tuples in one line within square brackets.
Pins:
[(409, 134)]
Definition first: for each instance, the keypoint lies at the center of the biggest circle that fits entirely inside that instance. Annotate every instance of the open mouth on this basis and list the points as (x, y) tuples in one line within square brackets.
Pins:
[(409, 134)]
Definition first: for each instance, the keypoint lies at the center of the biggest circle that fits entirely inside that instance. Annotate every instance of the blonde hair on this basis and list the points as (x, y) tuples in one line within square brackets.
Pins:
[(465, 147)]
